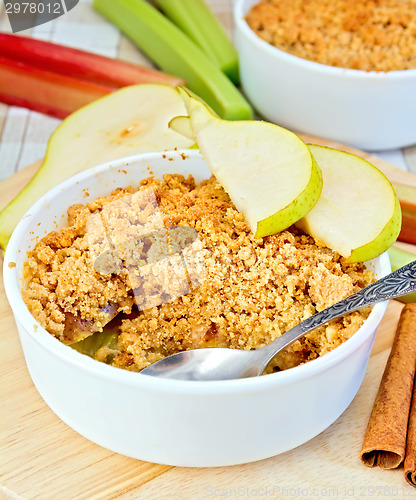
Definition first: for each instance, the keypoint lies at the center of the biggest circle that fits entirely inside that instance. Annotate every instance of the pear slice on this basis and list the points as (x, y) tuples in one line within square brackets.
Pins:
[(131, 120), (358, 213), (268, 172)]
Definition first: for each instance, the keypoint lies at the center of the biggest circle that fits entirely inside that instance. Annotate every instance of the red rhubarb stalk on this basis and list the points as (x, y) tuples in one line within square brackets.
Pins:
[(45, 91), (80, 64), (407, 198)]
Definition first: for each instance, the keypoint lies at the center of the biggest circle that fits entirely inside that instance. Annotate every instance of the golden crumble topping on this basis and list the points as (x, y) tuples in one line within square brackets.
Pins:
[(178, 268), (370, 35)]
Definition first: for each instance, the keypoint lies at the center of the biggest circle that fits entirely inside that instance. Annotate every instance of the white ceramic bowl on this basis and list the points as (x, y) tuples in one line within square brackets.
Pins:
[(182, 423), (368, 110)]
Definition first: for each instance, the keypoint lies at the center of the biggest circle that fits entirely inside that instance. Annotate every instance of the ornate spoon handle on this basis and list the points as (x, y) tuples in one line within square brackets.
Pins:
[(396, 284), (400, 282)]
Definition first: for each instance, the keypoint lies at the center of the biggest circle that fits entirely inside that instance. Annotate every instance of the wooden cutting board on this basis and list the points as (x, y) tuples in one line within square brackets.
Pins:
[(42, 458)]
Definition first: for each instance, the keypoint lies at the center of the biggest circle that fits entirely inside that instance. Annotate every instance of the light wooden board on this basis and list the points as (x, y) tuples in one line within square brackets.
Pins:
[(42, 458)]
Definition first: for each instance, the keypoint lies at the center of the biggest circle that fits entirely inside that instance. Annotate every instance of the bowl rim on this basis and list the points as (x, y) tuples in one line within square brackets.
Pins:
[(239, 13), (12, 285)]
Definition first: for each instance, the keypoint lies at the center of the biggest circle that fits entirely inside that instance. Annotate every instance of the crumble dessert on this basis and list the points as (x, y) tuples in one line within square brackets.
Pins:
[(178, 268), (370, 35)]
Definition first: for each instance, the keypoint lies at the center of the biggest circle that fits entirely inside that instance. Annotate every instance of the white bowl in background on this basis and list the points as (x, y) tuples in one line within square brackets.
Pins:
[(183, 423), (368, 110)]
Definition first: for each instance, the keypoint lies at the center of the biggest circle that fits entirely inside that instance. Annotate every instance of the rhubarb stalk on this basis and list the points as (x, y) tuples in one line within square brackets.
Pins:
[(399, 258), (80, 64), (197, 20), (44, 91), (407, 199), (174, 52)]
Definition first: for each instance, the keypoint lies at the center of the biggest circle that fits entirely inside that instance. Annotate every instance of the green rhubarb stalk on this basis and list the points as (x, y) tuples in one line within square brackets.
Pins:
[(196, 19), (174, 52), (399, 258)]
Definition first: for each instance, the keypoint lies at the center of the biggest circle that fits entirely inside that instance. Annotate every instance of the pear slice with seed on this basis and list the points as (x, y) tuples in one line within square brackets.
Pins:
[(131, 120)]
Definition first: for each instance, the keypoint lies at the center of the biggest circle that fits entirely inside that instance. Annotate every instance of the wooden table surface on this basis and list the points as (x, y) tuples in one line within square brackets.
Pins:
[(42, 458)]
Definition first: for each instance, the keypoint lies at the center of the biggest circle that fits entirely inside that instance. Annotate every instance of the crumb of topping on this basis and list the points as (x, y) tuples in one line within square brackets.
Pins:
[(233, 290), (12, 265), (370, 35)]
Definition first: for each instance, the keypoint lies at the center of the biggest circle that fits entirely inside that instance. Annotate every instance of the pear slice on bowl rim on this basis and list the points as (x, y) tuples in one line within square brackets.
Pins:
[(358, 213), (268, 171)]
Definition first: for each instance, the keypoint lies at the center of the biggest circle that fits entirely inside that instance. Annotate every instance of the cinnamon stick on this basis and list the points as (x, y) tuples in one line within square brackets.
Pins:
[(385, 438), (410, 460)]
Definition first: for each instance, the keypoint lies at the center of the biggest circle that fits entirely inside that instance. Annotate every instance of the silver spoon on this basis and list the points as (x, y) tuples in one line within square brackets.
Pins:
[(223, 363)]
